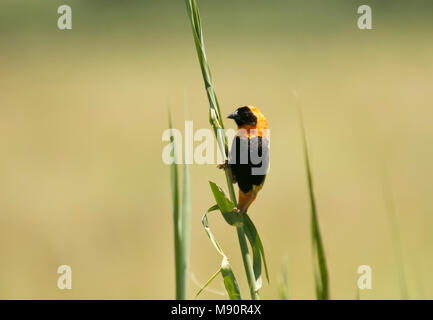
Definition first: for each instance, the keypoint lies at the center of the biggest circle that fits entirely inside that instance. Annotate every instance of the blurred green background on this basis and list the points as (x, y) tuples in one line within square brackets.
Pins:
[(82, 113)]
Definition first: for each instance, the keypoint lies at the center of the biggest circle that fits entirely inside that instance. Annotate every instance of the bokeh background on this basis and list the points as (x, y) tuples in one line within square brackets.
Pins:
[(82, 113)]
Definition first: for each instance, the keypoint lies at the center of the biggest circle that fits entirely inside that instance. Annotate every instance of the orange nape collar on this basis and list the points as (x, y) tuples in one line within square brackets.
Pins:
[(259, 130)]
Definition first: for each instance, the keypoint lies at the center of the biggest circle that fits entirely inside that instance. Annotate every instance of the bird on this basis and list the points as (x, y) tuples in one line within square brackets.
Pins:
[(249, 154)]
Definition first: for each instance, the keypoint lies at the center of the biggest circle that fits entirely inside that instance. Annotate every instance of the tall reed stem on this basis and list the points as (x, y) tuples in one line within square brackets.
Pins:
[(181, 223), (218, 126)]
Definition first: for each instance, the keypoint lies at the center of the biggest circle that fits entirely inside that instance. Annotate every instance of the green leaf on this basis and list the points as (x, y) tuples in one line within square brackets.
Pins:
[(258, 251), (225, 205), (205, 223), (223, 202), (230, 280), (319, 259)]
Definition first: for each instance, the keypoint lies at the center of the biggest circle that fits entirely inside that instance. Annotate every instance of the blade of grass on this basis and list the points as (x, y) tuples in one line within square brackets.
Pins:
[(186, 230), (257, 247), (174, 178), (226, 207), (229, 278), (205, 223), (216, 121), (181, 221), (319, 259), (249, 269)]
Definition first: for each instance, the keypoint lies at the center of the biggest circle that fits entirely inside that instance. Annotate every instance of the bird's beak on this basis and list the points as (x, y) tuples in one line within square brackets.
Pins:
[(233, 115)]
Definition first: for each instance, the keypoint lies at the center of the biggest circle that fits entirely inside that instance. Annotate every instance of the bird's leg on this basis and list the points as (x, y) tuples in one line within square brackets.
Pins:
[(226, 165)]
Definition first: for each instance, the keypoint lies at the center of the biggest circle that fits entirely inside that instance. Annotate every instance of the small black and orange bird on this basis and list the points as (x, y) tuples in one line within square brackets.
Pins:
[(249, 155)]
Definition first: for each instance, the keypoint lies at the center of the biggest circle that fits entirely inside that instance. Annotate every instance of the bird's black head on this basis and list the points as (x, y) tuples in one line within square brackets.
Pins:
[(243, 116)]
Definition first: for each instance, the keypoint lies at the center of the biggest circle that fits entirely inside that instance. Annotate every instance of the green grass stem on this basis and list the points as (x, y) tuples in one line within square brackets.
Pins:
[(217, 123), (181, 223), (319, 259)]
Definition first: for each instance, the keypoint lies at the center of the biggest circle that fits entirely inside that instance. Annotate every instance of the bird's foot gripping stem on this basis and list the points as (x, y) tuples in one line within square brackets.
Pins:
[(223, 165), (241, 211), (237, 210), (226, 166)]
